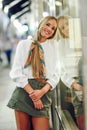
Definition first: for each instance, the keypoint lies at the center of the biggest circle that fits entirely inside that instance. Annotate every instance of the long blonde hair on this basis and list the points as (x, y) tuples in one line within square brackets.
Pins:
[(61, 35), (35, 57)]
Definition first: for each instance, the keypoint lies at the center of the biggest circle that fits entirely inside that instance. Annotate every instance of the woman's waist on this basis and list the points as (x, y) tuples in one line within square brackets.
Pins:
[(39, 80)]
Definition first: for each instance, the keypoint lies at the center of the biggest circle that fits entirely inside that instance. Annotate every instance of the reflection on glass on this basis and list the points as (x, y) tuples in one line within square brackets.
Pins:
[(70, 53)]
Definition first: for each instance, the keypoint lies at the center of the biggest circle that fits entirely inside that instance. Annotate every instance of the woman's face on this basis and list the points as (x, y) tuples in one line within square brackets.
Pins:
[(64, 27), (48, 29)]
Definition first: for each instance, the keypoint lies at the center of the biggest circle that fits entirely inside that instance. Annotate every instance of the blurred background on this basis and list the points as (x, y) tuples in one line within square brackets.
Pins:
[(19, 20)]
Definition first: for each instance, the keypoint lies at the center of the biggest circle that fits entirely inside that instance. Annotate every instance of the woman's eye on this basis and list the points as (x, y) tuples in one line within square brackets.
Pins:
[(53, 28), (48, 24)]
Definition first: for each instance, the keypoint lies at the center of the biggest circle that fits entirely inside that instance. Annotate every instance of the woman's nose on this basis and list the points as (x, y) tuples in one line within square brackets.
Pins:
[(49, 29)]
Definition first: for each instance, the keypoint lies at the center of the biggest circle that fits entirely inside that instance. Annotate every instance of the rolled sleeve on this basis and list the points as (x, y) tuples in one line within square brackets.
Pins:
[(20, 79), (54, 80), (21, 84), (66, 77)]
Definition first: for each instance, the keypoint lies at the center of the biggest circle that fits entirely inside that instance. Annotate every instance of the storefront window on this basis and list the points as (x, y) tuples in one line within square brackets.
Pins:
[(70, 51)]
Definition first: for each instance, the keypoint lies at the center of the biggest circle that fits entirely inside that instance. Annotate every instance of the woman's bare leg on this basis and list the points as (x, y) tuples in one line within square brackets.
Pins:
[(22, 120), (40, 123)]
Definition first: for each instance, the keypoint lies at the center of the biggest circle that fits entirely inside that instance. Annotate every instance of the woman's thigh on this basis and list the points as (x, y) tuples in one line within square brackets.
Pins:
[(81, 122), (22, 120), (40, 123)]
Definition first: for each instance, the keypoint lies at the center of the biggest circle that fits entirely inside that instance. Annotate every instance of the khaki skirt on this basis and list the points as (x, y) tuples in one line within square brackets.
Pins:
[(21, 101)]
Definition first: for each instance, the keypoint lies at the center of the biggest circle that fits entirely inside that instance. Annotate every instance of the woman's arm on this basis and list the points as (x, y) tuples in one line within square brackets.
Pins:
[(77, 86), (28, 88), (16, 72), (36, 95), (37, 103)]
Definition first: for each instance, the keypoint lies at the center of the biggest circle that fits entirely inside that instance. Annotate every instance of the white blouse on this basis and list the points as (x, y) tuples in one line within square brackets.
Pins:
[(20, 75), (64, 51)]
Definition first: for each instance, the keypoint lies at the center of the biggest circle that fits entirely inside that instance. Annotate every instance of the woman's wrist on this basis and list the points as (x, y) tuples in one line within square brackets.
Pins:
[(46, 88), (28, 88), (73, 84), (77, 86)]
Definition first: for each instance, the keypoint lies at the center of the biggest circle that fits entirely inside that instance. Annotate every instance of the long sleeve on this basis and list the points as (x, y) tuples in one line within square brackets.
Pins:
[(55, 73), (17, 69), (65, 76), (54, 78), (20, 75)]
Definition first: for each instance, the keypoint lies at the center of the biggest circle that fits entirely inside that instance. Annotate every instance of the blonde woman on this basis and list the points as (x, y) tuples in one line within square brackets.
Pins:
[(67, 79), (34, 71)]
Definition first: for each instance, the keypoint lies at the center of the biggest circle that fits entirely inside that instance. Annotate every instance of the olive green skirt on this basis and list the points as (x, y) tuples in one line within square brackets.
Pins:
[(20, 100)]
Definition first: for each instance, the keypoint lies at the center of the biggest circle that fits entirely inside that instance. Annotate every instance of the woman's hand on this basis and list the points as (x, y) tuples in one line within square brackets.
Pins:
[(28, 88), (38, 104), (35, 95), (77, 86)]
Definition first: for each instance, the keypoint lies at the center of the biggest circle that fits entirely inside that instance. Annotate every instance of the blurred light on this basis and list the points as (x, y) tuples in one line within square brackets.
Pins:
[(16, 23), (6, 9), (25, 28), (26, 3), (14, 3), (20, 28), (58, 3), (45, 14), (0, 6), (29, 37), (13, 18), (33, 25)]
